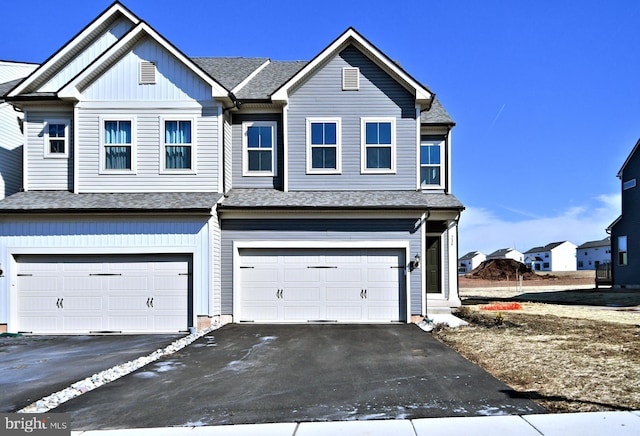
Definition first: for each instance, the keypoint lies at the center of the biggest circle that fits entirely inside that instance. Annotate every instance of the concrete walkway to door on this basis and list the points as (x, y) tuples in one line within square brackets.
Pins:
[(241, 374)]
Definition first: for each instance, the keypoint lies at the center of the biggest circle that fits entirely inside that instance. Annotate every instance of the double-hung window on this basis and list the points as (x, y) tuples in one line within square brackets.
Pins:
[(378, 153), (323, 146), (259, 145), (178, 146), (117, 143), (431, 163), (56, 138)]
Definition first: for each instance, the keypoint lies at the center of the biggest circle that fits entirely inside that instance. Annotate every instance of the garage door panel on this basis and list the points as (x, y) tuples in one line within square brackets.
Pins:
[(100, 293), (321, 284)]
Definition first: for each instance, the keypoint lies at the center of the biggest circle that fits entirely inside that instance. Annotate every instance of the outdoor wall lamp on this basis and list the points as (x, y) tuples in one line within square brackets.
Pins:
[(1, 272), (414, 263)]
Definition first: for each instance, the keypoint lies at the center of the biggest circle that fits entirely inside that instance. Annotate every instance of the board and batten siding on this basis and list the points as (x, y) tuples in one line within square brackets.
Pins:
[(79, 61), (108, 236), (47, 173), (148, 138), (379, 96), (174, 81), (240, 181), (317, 230)]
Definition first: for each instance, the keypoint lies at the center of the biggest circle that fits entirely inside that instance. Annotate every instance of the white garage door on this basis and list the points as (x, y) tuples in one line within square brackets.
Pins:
[(343, 285), (87, 294)]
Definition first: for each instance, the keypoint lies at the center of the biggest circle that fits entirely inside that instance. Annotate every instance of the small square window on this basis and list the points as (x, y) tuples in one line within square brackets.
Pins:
[(56, 139)]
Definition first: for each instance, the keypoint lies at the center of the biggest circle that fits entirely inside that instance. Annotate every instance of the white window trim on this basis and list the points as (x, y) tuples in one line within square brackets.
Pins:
[(47, 148), (363, 145), (338, 146), (194, 148), (103, 158), (442, 144), (245, 149)]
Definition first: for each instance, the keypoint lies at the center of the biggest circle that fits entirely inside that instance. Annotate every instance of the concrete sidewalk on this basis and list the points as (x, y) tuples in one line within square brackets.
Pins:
[(561, 424)]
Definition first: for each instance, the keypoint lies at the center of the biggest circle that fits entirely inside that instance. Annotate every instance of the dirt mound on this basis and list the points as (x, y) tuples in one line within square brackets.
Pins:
[(503, 269)]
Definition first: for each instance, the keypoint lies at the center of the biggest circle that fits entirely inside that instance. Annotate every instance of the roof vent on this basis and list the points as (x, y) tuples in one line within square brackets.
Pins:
[(350, 79), (147, 73)]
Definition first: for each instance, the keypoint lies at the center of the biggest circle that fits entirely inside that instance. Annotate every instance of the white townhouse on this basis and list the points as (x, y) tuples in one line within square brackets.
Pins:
[(162, 193), (556, 256), (593, 253)]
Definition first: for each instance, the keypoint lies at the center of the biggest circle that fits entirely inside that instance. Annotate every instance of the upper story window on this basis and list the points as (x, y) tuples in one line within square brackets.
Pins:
[(622, 250), (117, 145), (56, 138), (629, 184), (431, 163), (323, 146), (378, 153), (178, 147), (258, 148)]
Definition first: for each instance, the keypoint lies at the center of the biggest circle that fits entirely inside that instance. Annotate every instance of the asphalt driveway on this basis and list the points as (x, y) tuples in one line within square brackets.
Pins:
[(284, 373), (32, 367)]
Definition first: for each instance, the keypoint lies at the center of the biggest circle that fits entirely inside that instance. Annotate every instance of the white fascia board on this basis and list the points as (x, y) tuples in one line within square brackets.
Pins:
[(242, 84), (423, 95), (115, 8), (72, 89)]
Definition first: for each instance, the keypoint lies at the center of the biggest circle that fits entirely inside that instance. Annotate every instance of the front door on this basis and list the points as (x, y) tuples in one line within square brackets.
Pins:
[(433, 265)]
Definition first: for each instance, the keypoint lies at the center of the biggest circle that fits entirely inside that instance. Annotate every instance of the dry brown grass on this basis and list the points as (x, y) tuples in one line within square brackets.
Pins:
[(567, 358)]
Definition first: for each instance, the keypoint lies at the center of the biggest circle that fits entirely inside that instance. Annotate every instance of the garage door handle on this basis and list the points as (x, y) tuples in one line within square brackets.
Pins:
[(61, 305), (104, 274), (279, 293), (58, 303), (151, 301), (363, 293), (323, 267)]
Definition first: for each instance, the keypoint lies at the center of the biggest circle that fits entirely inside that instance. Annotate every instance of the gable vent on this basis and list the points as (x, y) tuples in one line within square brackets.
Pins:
[(147, 73), (351, 79)]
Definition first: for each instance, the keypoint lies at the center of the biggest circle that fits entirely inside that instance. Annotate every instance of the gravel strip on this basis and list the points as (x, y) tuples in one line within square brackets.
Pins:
[(108, 375)]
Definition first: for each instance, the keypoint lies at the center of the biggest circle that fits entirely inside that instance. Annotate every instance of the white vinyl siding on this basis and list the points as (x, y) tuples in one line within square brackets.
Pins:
[(46, 174), (77, 62), (149, 139), (174, 81), (108, 236)]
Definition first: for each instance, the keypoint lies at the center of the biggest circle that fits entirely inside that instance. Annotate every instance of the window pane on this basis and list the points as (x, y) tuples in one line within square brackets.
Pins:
[(259, 160), (177, 132), (330, 134), (379, 157), (185, 132), (384, 133), (117, 158), (323, 158), (371, 132), (259, 137), (317, 133), (56, 130), (622, 243), (430, 175), (434, 155), (117, 132), (178, 157), (171, 132), (56, 146)]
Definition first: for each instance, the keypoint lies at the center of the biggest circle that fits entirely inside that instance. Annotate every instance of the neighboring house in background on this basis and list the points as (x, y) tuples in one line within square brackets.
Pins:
[(10, 129), (470, 261), (556, 256), (163, 193), (593, 253), (625, 233), (506, 253)]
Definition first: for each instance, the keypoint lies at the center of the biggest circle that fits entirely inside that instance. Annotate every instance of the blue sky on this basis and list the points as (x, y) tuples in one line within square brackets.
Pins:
[(546, 94)]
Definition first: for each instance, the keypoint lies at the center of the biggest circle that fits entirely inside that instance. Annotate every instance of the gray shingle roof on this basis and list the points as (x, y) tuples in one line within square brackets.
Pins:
[(606, 242), (8, 86), (60, 201), (272, 198), (470, 255), (436, 115), (272, 77), (229, 72)]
